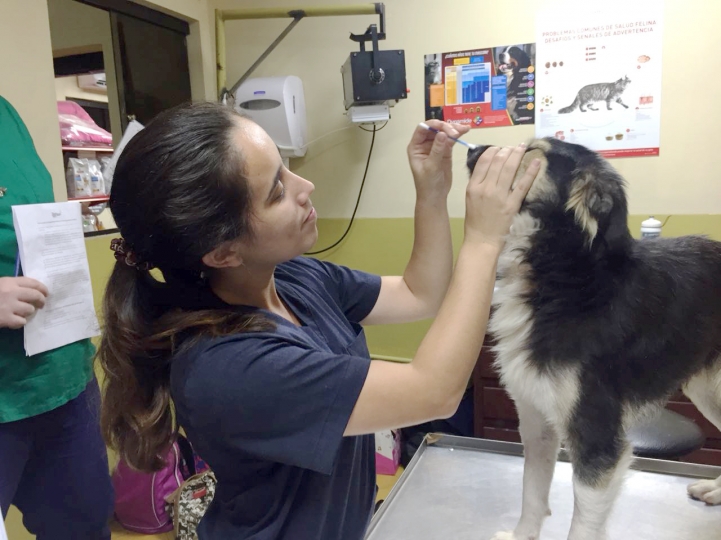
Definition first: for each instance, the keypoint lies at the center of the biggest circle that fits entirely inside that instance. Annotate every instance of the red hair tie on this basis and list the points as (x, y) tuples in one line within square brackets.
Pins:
[(124, 254)]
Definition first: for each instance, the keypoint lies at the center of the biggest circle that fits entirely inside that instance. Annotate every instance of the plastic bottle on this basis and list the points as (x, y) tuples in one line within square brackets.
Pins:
[(651, 228)]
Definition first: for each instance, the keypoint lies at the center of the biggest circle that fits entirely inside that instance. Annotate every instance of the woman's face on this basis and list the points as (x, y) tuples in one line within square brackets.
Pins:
[(284, 220)]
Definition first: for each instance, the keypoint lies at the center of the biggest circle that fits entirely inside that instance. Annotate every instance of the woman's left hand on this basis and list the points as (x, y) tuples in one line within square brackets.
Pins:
[(430, 157)]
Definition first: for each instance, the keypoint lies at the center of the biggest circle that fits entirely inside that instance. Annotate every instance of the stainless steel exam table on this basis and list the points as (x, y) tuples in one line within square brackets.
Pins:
[(460, 488)]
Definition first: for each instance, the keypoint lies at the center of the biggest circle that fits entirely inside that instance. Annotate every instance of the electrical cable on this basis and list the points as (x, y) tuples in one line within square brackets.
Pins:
[(374, 127), (360, 192), (306, 145)]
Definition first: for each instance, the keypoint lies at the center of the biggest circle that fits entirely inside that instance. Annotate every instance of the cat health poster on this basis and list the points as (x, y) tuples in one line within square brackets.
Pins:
[(488, 87), (599, 78)]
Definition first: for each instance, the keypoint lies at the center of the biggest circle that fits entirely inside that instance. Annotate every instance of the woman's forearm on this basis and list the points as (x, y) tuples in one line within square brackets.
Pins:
[(430, 266)]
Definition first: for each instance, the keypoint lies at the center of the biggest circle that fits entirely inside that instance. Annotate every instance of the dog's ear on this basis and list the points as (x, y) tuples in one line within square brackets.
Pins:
[(598, 202), (588, 202)]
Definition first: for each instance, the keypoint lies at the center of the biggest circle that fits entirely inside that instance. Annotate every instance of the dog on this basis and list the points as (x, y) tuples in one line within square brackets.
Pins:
[(511, 61), (595, 330)]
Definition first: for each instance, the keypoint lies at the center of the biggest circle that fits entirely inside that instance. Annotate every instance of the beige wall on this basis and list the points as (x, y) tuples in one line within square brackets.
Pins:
[(26, 80), (684, 179), (73, 26)]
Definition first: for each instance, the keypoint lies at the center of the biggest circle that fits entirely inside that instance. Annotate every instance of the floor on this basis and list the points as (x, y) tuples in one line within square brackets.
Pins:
[(386, 483), (17, 532)]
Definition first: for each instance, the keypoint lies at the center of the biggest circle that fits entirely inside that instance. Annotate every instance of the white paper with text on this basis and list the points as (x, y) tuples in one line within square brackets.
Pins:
[(52, 251)]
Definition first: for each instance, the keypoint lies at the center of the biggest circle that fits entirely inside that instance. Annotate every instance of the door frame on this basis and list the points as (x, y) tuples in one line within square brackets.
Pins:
[(143, 13)]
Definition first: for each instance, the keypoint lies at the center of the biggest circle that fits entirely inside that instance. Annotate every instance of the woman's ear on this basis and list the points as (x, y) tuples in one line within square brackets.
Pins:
[(226, 255)]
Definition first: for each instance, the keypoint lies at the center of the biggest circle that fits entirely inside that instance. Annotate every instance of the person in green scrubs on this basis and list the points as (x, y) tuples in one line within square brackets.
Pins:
[(54, 464)]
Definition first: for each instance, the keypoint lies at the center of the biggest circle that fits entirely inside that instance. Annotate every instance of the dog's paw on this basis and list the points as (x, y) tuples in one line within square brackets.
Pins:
[(708, 491), (504, 535)]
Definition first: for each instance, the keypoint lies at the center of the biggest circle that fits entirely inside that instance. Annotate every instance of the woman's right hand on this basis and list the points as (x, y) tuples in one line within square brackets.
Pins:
[(491, 198), (20, 297)]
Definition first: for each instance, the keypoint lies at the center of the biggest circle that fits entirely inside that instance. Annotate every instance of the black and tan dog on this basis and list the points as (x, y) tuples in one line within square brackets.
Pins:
[(513, 62), (595, 330)]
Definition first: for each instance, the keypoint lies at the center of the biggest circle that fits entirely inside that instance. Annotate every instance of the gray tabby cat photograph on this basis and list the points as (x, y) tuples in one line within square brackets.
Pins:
[(593, 93)]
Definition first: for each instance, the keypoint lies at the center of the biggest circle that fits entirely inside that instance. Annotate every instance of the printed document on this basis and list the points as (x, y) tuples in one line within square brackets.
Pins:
[(52, 251)]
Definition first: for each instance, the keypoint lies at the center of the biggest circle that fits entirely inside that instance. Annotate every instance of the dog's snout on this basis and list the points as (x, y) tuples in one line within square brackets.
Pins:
[(473, 155)]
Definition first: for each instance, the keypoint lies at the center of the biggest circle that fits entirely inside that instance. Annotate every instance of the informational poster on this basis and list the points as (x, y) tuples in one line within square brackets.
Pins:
[(482, 87), (599, 78)]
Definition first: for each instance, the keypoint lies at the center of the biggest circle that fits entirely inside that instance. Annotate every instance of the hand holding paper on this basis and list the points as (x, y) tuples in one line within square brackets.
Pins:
[(19, 298), (52, 251)]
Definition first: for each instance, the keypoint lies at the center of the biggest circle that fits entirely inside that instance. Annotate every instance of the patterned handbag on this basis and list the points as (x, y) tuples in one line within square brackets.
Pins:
[(187, 504)]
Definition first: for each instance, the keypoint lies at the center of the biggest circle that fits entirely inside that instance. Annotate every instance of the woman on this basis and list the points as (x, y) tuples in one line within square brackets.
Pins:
[(262, 350)]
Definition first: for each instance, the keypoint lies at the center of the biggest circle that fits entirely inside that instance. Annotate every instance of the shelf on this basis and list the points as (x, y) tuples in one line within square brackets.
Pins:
[(104, 232), (96, 200), (88, 149)]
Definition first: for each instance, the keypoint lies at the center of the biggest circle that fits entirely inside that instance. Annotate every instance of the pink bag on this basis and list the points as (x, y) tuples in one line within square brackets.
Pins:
[(140, 504), (77, 127)]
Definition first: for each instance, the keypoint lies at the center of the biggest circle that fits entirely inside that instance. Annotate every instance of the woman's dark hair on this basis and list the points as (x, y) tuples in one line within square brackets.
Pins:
[(178, 192)]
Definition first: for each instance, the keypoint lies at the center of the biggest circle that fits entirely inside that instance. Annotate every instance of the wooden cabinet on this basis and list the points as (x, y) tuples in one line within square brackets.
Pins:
[(495, 415), (710, 453)]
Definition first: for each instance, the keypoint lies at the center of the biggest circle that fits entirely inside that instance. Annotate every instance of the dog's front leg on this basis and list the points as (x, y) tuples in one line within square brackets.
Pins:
[(705, 392), (540, 448), (597, 479)]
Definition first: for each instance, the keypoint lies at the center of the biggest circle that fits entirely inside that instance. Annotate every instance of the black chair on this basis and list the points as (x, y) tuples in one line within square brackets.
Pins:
[(666, 436)]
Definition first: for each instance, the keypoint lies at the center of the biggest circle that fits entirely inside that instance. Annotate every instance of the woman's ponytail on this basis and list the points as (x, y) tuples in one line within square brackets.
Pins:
[(136, 418)]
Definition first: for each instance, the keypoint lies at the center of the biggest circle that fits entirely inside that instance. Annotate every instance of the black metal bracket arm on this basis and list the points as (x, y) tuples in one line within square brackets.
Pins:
[(372, 34), (367, 36)]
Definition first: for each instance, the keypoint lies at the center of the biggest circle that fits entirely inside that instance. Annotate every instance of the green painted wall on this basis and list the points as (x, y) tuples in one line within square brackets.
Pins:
[(383, 246)]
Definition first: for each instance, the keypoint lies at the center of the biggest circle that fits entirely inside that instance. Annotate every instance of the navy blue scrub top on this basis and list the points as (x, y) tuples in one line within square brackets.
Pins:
[(267, 411)]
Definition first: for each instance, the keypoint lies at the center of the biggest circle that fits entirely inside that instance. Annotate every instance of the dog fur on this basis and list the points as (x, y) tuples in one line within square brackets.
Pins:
[(594, 329)]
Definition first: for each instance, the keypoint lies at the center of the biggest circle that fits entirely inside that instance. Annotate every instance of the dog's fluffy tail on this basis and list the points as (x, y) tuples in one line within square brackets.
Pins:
[(572, 106)]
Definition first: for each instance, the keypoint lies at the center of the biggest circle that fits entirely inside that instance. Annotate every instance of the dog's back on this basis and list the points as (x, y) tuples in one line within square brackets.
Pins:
[(677, 310), (647, 322)]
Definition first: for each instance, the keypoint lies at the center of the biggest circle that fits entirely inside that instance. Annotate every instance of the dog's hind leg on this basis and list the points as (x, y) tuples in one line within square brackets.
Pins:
[(705, 391), (600, 455), (540, 448)]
